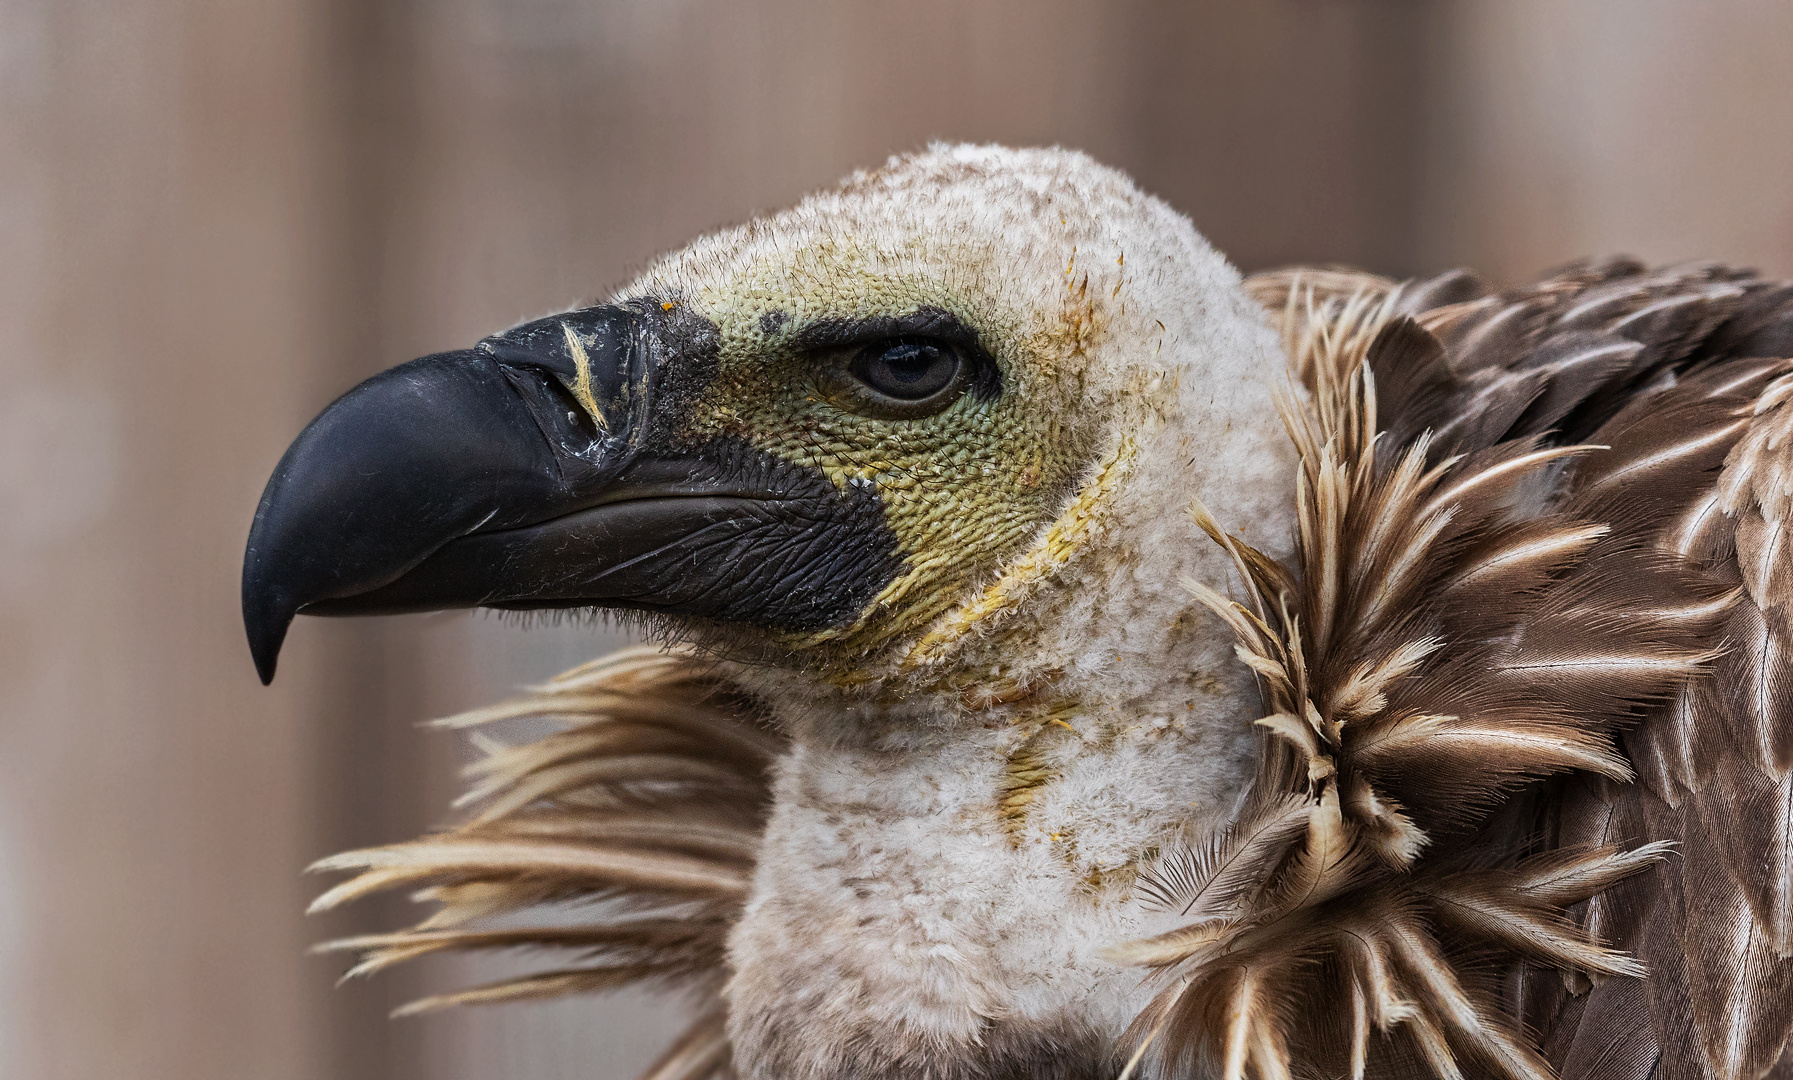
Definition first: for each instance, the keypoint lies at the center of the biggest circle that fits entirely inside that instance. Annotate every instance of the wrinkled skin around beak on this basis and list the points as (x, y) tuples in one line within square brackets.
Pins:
[(544, 468)]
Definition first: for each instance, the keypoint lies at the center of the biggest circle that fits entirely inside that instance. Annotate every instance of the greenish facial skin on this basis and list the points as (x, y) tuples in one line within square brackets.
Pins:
[(962, 489)]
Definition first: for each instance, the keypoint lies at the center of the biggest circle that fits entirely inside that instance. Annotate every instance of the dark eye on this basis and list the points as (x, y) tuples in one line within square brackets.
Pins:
[(907, 369), (900, 378)]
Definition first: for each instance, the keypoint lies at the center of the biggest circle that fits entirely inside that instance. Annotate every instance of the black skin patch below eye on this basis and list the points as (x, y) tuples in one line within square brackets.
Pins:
[(772, 322)]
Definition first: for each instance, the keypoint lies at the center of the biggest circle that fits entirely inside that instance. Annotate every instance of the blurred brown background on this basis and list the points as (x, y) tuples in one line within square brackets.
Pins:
[(216, 215)]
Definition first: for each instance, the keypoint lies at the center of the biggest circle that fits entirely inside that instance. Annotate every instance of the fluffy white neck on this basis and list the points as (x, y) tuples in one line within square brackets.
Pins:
[(952, 847)]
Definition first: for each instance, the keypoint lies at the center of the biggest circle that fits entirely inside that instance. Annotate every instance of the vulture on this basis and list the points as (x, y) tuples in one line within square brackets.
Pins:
[(1076, 660)]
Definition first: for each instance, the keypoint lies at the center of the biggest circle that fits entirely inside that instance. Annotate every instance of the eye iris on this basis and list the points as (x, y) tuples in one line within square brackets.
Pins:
[(907, 370)]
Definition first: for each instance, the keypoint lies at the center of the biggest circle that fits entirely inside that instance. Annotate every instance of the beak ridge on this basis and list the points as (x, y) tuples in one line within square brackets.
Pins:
[(437, 449)]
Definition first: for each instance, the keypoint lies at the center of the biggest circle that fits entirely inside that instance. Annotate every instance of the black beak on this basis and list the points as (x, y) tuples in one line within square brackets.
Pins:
[(536, 470)]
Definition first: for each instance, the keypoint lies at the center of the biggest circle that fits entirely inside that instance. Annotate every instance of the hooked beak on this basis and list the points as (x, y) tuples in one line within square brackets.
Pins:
[(536, 470)]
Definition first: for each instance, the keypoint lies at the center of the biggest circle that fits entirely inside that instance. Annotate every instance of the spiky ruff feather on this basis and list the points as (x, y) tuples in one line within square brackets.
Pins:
[(1323, 935)]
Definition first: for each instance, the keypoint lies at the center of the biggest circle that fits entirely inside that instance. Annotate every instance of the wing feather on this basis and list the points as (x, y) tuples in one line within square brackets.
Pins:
[(1405, 719), (1547, 566)]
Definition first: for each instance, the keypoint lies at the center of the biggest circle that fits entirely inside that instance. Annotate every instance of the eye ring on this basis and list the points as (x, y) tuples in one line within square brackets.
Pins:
[(902, 378)]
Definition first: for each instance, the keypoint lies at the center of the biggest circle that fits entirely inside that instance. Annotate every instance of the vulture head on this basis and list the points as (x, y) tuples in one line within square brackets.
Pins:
[(915, 456), (835, 440), (963, 764)]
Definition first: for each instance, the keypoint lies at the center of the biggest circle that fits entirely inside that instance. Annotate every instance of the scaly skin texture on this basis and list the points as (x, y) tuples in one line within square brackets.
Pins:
[(1034, 706), (960, 488)]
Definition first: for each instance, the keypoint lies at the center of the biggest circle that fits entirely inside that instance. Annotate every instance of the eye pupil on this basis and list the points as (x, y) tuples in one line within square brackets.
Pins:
[(908, 369)]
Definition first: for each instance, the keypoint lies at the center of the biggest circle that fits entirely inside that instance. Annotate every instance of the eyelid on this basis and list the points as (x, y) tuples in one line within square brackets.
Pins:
[(926, 321)]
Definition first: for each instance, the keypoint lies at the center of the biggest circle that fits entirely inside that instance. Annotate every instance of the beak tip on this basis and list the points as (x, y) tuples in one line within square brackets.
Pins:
[(266, 623)]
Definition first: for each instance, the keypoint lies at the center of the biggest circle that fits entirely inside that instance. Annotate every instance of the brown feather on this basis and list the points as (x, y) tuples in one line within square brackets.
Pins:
[(1457, 628), (645, 810), (701, 1053), (1388, 738)]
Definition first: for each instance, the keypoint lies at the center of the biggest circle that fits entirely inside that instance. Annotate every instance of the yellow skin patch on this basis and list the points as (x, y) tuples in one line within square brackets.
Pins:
[(962, 490), (1026, 768), (1087, 514)]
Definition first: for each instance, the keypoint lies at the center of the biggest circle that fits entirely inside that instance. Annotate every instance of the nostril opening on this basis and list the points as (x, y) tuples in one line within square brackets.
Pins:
[(551, 401), (575, 413)]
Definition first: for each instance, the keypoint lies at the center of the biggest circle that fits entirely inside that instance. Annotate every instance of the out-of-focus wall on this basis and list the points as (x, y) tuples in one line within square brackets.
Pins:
[(159, 329), (214, 217), (1560, 128)]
